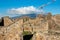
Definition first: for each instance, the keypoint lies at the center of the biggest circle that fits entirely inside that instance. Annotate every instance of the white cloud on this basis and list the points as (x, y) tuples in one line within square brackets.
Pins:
[(24, 10)]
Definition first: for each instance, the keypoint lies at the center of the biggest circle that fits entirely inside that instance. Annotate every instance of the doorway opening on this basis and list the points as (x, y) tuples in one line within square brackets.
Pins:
[(28, 37), (2, 22)]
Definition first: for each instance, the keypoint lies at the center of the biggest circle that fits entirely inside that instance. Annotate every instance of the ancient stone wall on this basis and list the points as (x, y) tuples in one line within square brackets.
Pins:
[(40, 27), (12, 32), (7, 21)]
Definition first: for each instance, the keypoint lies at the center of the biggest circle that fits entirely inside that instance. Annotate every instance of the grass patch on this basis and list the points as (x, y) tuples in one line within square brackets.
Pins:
[(26, 33)]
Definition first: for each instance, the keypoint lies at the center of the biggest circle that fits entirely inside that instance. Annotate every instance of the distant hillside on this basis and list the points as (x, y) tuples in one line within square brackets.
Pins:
[(29, 15)]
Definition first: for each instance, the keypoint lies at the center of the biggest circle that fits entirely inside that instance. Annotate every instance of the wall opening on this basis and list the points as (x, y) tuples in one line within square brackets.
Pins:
[(2, 22), (28, 37)]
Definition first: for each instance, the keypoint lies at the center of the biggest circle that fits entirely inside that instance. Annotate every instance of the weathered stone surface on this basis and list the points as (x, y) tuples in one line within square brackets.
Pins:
[(7, 21), (12, 32), (42, 27)]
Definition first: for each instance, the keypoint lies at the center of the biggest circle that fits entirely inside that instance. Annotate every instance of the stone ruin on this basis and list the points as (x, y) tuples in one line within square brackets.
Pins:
[(43, 27)]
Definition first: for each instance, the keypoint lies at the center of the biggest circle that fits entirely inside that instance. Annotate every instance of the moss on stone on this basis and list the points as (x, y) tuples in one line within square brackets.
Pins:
[(26, 33)]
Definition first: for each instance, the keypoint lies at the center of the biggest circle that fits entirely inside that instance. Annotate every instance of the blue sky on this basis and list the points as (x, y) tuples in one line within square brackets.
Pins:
[(54, 8)]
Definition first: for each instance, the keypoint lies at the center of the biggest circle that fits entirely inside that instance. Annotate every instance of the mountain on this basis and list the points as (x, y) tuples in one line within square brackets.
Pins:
[(29, 15)]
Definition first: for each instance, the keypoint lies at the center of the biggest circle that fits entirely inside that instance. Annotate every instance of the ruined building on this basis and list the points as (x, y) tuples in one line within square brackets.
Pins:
[(43, 27)]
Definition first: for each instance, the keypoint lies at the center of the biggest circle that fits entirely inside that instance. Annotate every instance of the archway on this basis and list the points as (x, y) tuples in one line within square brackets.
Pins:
[(27, 35)]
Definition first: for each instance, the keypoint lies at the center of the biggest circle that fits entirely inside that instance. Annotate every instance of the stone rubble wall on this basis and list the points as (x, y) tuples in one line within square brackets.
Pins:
[(13, 32), (42, 36), (39, 26), (7, 21)]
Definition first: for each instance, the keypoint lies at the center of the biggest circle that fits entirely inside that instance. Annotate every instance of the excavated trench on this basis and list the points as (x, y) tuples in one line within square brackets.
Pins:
[(27, 37)]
